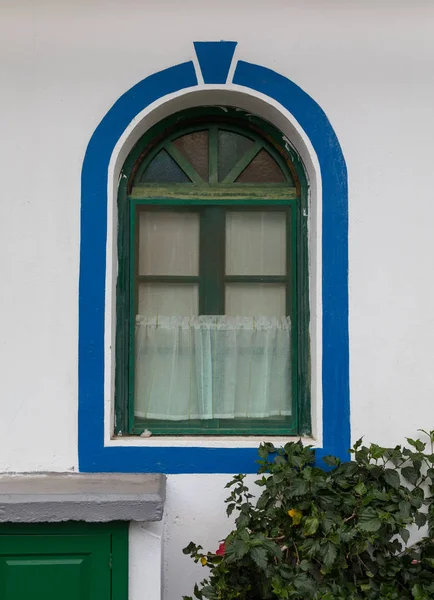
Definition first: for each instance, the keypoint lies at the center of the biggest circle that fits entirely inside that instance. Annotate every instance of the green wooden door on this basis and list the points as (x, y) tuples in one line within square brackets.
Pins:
[(55, 567)]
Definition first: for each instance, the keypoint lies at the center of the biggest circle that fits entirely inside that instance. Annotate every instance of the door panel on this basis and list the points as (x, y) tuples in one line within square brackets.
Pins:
[(55, 567)]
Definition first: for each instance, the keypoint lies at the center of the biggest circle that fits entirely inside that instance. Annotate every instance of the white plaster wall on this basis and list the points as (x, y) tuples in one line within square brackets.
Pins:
[(368, 63), (195, 511)]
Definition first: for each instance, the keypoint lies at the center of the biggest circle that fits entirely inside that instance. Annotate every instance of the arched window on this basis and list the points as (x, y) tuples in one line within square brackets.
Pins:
[(212, 293)]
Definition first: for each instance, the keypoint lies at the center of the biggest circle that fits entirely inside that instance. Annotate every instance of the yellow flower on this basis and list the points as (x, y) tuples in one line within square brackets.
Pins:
[(203, 561), (295, 515)]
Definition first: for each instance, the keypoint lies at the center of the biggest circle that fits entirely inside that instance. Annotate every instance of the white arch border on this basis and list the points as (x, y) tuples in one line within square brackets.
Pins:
[(270, 110)]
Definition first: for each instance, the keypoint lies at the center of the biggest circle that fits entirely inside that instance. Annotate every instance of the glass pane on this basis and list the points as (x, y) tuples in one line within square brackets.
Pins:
[(168, 243), (168, 299), (163, 169), (232, 146), (195, 147), (262, 169), (255, 300), (255, 243)]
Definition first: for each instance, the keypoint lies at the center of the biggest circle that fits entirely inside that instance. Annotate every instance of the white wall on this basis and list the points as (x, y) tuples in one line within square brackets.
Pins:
[(368, 63)]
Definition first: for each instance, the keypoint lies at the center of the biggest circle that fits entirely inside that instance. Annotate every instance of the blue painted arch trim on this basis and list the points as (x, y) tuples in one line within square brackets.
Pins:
[(93, 455)]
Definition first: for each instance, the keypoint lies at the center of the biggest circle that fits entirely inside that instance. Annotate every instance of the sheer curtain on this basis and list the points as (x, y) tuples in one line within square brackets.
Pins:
[(212, 367)]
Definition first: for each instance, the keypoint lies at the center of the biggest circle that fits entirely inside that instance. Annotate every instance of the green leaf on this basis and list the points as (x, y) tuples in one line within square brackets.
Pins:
[(417, 497), (404, 508), (304, 585), (405, 534), (358, 444), (410, 474), (329, 554), (365, 587), (298, 487), (229, 509), (242, 521), (419, 593), (305, 565), (347, 536), (236, 550), (332, 461), (429, 561), (265, 449), (377, 451), (209, 592), (369, 521), (259, 555), (420, 519), (328, 522), (191, 548), (311, 525), (392, 478), (418, 444), (360, 489), (311, 546), (278, 477)]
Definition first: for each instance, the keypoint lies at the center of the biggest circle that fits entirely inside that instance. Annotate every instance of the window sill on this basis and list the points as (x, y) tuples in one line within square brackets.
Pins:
[(232, 441)]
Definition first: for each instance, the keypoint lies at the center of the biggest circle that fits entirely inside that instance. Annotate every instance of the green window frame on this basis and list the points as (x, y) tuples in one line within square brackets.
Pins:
[(211, 200)]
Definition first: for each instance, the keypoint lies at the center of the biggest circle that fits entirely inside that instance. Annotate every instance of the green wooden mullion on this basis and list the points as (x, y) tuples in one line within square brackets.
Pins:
[(145, 163), (213, 144), (247, 192), (132, 312), (168, 278), (253, 427), (290, 258), (183, 163), (244, 161), (256, 278), (122, 321), (212, 261), (292, 305), (302, 285)]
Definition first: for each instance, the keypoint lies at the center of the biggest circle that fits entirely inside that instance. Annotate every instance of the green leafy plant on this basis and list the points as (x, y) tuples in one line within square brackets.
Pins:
[(338, 533)]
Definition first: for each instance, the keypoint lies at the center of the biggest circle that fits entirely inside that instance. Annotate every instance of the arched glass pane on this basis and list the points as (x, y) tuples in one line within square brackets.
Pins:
[(262, 169), (194, 146), (231, 148), (163, 169)]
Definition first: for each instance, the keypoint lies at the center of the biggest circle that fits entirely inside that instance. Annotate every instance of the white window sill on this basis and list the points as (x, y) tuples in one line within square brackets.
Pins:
[(233, 441)]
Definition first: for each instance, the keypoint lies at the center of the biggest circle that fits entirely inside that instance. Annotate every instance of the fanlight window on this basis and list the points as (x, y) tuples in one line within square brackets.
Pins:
[(213, 156)]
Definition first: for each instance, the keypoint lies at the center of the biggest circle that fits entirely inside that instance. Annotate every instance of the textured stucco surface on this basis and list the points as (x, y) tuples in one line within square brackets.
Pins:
[(50, 498)]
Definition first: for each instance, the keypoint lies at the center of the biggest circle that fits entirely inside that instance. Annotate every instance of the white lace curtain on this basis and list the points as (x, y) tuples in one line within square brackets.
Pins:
[(212, 367)]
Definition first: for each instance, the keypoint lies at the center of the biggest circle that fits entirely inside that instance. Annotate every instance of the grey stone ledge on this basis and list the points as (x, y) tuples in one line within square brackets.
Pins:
[(92, 497)]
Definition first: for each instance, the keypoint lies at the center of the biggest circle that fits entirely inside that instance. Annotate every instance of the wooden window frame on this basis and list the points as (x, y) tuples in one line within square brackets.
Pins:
[(290, 196)]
